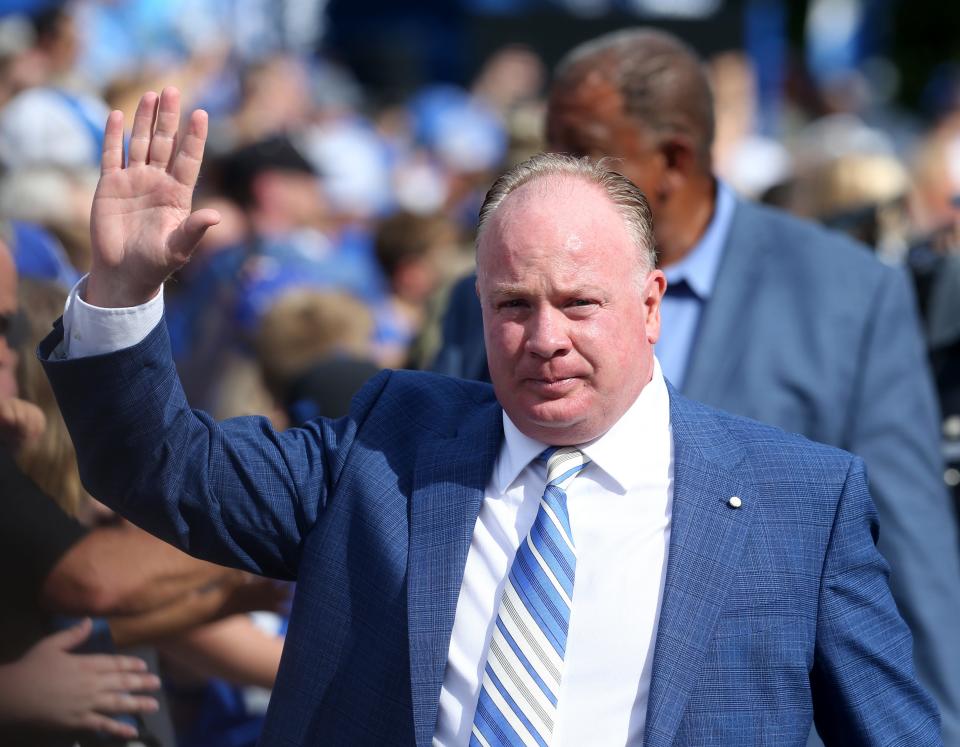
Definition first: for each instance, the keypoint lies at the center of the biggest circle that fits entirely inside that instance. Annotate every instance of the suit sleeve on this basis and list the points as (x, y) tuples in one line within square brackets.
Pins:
[(864, 688), (236, 493), (894, 427)]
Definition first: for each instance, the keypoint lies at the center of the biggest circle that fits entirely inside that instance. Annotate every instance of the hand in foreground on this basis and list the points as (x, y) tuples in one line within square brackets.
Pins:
[(20, 422), (141, 225), (52, 687)]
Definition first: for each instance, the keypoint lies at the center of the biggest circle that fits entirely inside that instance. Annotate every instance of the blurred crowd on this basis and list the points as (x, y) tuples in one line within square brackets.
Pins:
[(347, 215)]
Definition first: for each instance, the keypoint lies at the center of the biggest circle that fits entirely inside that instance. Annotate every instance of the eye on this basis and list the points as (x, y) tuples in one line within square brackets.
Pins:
[(512, 303), (581, 307)]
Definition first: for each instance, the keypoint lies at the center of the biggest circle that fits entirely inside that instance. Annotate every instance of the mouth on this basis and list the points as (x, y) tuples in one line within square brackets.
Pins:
[(551, 387)]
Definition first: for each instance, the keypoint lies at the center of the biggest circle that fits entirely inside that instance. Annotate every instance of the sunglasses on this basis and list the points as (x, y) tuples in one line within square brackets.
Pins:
[(14, 328)]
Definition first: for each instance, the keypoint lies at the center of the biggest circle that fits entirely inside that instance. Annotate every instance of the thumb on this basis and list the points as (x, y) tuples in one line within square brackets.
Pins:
[(71, 637), (188, 234)]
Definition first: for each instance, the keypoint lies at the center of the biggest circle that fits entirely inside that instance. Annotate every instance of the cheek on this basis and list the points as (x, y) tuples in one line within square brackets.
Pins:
[(503, 341), (613, 349)]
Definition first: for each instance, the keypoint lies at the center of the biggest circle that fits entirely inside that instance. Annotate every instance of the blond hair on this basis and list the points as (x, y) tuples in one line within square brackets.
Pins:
[(50, 460)]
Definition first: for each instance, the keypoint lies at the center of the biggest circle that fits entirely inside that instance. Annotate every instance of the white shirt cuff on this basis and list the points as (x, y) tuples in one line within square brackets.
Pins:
[(92, 330)]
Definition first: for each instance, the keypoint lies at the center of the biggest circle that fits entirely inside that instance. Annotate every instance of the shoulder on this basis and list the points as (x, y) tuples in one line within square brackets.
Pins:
[(755, 451), (799, 241), (830, 269), (433, 401)]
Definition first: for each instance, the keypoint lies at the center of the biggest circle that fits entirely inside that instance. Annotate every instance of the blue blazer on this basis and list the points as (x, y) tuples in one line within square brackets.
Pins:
[(773, 613), (807, 331)]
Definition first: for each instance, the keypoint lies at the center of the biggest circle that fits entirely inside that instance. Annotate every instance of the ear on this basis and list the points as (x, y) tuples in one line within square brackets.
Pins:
[(653, 289)]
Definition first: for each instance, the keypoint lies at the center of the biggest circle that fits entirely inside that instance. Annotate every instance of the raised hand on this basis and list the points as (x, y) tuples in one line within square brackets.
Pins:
[(141, 224)]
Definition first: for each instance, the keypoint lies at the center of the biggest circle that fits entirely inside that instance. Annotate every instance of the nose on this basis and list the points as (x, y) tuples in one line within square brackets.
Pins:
[(547, 334)]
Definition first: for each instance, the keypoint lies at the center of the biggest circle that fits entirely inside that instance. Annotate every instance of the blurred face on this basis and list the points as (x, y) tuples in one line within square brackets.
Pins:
[(569, 315), (8, 307), (300, 197), (588, 120)]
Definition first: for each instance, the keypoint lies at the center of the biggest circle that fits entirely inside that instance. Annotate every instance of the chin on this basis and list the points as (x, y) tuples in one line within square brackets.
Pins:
[(565, 434), (557, 426)]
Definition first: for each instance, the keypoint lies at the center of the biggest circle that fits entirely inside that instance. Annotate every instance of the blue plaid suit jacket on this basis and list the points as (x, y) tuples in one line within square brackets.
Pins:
[(773, 613)]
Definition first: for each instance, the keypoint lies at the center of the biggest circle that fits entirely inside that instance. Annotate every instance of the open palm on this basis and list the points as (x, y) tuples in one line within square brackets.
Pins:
[(142, 227)]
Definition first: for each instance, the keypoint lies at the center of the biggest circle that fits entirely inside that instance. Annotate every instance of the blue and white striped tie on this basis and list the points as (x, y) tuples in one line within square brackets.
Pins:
[(521, 682)]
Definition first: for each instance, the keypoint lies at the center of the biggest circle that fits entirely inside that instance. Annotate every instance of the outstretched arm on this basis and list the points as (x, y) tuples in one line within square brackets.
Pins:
[(141, 225), (234, 649), (96, 577), (237, 593)]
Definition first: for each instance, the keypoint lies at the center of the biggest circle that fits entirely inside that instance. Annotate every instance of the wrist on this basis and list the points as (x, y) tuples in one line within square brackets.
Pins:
[(107, 291)]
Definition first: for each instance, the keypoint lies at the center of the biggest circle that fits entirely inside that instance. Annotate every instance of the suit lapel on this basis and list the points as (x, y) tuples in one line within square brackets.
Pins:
[(706, 540), (722, 334), (449, 480)]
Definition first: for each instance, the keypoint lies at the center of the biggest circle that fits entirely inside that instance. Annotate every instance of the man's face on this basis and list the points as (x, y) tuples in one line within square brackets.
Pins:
[(569, 316), (8, 308), (588, 120)]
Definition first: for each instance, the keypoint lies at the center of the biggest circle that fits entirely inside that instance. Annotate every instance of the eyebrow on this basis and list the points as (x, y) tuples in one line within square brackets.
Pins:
[(518, 289)]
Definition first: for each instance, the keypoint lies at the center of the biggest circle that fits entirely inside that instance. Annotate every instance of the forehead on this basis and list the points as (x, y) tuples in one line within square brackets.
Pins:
[(592, 93), (589, 118), (557, 219)]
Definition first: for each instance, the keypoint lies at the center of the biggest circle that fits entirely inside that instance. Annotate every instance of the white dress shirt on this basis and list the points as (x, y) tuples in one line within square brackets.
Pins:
[(620, 509), (91, 330)]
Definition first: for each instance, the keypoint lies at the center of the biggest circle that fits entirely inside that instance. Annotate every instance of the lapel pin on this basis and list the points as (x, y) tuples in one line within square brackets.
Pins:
[(735, 502)]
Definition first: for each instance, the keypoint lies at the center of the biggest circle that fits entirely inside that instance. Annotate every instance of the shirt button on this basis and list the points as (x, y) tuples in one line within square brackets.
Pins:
[(734, 502)]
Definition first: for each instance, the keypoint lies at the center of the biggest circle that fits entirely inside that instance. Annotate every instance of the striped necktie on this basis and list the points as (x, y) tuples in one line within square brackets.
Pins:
[(521, 681)]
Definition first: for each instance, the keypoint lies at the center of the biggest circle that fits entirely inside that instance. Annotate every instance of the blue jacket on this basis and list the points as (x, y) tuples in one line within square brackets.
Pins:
[(772, 613), (807, 331)]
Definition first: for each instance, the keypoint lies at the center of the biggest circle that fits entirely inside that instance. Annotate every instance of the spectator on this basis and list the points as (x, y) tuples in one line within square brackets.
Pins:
[(64, 569), (313, 348), (413, 251)]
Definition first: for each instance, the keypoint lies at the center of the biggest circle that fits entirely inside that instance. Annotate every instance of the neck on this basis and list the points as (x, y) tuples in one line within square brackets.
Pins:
[(684, 218)]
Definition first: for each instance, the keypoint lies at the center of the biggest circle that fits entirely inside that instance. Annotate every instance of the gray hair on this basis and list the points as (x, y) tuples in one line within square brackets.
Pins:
[(623, 193)]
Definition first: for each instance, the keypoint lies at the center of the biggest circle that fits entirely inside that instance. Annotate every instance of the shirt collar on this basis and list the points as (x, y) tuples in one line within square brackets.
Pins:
[(699, 267), (637, 445)]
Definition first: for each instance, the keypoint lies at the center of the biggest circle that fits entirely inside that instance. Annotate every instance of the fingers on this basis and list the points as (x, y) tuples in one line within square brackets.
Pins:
[(114, 663), (118, 702), (142, 129), (98, 722), (153, 139), (186, 165), (112, 158), (187, 235), (123, 683), (71, 637), (165, 135)]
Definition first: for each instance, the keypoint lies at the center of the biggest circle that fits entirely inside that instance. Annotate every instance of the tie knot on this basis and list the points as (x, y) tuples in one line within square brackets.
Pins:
[(563, 464)]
